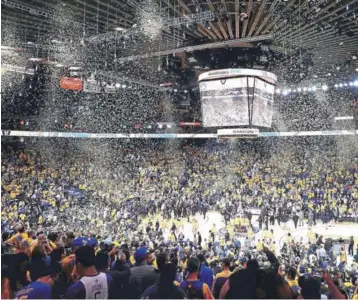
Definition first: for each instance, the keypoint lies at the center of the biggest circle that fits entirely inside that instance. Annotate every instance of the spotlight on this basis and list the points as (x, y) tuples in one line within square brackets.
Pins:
[(355, 83), (329, 74), (299, 90), (354, 57), (351, 83), (345, 84), (336, 85), (314, 88), (294, 91), (175, 90), (124, 86), (118, 85), (324, 87), (304, 89), (340, 85), (185, 91)]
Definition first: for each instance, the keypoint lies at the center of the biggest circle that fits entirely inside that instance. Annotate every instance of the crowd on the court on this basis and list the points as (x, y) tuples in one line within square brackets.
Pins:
[(179, 184), (81, 229)]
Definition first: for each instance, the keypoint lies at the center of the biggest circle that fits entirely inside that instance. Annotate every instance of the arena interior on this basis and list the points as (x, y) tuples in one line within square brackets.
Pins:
[(179, 149)]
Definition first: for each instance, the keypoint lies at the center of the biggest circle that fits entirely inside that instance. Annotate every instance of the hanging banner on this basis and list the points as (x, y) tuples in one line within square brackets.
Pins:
[(72, 84)]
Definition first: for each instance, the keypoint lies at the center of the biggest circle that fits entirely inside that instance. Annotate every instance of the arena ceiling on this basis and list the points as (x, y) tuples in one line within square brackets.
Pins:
[(326, 28)]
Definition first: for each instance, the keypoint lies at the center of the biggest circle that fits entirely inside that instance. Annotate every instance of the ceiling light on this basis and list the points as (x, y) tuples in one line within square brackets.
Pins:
[(299, 89), (340, 85), (355, 83), (59, 66), (119, 29), (351, 83), (289, 90), (345, 84), (329, 74), (354, 57), (278, 91), (294, 91), (30, 43), (175, 90), (309, 89), (118, 85), (356, 69), (314, 88), (124, 86), (336, 85), (285, 92), (134, 25), (324, 87), (56, 42), (36, 59), (304, 89), (74, 68), (185, 91)]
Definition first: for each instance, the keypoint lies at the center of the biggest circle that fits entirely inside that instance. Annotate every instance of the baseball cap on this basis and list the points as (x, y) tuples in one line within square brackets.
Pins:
[(140, 254), (92, 242), (78, 242)]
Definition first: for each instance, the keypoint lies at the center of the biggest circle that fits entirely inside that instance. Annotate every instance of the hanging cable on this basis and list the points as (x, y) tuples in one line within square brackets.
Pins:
[(97, 16), (299, 31), (84, 18)]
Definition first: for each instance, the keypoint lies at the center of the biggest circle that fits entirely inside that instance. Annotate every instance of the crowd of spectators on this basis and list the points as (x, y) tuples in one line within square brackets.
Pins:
[(73, 229)]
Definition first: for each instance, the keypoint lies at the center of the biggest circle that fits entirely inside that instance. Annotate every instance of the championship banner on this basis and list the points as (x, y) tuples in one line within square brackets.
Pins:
[(72, 84)]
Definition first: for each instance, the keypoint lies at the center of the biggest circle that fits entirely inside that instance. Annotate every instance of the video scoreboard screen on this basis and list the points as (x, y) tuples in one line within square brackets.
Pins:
[(240, 101)]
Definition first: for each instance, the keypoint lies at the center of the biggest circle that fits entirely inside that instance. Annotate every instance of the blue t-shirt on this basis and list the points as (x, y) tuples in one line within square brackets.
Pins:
[(206, 275), (35, 290)]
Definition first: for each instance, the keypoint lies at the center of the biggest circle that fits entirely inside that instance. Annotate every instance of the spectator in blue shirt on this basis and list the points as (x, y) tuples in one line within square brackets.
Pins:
[(206, 274), (43, 277)]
